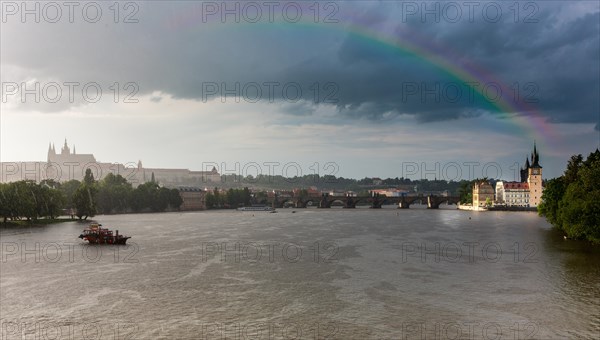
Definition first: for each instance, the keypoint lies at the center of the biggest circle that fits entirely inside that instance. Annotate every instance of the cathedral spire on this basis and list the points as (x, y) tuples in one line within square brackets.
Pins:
[(525, 169), (65, 150), (51, 152), (535, 157)]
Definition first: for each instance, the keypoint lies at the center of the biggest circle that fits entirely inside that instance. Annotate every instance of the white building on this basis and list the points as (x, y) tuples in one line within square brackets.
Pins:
[(512, 194), (528, 192)]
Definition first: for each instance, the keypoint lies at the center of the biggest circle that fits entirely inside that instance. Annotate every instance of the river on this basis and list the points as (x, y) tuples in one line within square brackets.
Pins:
[(312, 274)]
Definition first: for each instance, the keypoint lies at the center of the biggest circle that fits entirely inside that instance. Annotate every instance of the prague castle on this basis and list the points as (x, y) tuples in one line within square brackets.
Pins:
[(67, 165), (527, 192)]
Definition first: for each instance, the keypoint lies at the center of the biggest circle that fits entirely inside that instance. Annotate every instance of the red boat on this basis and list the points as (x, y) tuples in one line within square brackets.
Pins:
[(95, 234)]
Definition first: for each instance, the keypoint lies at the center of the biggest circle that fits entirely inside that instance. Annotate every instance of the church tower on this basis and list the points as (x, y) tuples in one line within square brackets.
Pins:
[(65, 150), (51, 153), (534, 179), (525, 171)]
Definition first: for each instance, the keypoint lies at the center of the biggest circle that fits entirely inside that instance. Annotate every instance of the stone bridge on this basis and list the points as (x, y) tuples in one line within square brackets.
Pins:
[(375, 202)]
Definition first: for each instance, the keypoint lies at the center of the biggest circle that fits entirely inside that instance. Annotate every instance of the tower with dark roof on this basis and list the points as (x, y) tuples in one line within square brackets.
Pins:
[(525, 170), (534, 178), (535, 157)]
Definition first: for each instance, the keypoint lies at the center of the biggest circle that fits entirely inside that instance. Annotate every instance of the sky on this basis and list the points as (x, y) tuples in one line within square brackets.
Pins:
[(436, 90)]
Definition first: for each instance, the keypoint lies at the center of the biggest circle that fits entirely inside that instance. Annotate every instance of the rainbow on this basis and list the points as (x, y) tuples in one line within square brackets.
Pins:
[(517, 111)]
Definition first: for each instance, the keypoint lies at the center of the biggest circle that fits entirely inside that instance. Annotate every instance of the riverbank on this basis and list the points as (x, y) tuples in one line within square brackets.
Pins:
[(35, 223), (496, 208), (512, 208), (471, 208)]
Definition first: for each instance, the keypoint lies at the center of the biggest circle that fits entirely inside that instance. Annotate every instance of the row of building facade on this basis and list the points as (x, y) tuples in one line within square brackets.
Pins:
[(526, 193), (67, 165)]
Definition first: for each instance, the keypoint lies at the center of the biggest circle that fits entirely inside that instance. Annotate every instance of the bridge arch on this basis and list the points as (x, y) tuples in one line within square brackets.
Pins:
[(304, 203), (281, 204), (432, 202), (341, 200), (435, 202)]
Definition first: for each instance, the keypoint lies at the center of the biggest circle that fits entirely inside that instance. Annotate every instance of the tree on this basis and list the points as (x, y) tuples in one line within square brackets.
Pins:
[(573, 166), (41, 194), (466, 192), (84, 201), (580, 215), (160, 199), (233, 198), (150, 196), (25, 196), (89, 177), (29, 200), (143, 197), (84, 197), (54, 204), (68, 190), (175, 199), (49, 201), (246, 196), (113, 194), (554, 190), (210, 199), (218, 202), (572, 202), (8, 201)]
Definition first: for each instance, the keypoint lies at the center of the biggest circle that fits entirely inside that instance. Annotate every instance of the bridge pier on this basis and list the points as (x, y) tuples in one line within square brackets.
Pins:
[(431, 203), (350, 204)]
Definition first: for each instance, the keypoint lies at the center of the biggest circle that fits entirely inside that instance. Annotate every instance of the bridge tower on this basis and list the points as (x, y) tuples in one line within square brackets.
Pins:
[(534, 179)]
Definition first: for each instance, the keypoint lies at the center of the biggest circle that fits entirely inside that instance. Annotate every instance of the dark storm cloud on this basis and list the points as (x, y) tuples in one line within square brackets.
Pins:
[(555, 60)]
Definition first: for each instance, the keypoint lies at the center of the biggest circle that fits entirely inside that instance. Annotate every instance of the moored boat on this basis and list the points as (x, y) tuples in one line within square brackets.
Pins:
[(95, 234)]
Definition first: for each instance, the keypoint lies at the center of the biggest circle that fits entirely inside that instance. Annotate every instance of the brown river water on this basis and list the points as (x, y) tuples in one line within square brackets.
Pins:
[(313, 274)]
